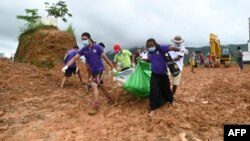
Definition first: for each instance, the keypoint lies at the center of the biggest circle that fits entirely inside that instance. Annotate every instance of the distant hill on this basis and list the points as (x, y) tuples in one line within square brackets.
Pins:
[(203, 49)]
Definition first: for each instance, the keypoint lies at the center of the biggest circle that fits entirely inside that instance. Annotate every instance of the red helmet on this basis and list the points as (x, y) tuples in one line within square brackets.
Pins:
[(117, 48)]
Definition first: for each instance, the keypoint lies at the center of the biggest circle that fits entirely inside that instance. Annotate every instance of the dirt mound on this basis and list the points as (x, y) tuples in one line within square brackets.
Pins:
[(44, 47), (34, 107)]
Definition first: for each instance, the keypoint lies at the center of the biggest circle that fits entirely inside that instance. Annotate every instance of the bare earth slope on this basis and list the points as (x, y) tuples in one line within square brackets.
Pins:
[(33, 107), (44, 47)]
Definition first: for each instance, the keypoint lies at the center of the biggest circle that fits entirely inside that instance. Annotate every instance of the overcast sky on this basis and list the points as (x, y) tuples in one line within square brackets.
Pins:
[(132, 22)]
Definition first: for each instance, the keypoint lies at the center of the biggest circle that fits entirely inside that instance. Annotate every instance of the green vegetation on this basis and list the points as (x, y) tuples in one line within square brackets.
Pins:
[(34, 27), (43, 64), (71, 30), (47, 64), (34, 23), (58, 10), (31, 16)]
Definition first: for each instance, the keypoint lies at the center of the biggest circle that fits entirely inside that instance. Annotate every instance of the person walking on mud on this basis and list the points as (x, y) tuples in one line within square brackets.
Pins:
[(202, 61), (177, 57), (240, 58), (160, 91), (93, 54), (210, 60), (191, 61), (73, 67)]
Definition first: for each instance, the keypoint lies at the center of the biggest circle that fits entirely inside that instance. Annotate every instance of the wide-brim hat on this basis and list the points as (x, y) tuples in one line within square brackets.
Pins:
[(177, 39)]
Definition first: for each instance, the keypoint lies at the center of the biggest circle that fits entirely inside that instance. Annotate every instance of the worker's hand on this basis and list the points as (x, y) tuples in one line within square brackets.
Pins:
[(133, 65), (184, 51), (114, 70), (65, 68)]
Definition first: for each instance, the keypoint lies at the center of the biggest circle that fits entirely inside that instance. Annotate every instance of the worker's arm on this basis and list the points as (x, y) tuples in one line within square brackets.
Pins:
[(114, 62), (177, 58), (132, 58), (173, 48), (74, 59), (65, 58), (104, 56)]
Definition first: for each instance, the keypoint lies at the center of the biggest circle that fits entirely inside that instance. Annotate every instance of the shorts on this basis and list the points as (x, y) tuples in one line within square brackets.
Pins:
[(71, 70), (175, 79), (97, 77)]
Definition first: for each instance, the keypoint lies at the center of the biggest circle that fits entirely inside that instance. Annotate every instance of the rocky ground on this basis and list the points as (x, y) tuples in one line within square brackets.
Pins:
[(34, 107)]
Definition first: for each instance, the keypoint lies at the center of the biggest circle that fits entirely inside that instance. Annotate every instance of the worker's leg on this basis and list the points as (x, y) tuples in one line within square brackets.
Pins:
[(67, 73), (96, 105), (174, 89), (95, 91), (241, 64), (79, 75), (176, 82), (63, 80)]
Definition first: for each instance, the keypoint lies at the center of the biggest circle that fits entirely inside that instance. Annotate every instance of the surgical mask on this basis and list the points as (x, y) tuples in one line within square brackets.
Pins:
[(178, 45), (151, 49), (85, 42)]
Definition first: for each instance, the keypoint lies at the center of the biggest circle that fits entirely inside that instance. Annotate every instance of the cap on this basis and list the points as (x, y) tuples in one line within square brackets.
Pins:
[(117, 48)]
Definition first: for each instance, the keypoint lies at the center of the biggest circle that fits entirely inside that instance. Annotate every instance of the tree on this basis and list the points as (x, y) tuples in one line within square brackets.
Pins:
[(31, 16), (58, 10)]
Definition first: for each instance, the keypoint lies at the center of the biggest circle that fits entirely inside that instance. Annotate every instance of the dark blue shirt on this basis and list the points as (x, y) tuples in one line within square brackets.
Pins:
[(70, 54), (93, 57), (158, 64)]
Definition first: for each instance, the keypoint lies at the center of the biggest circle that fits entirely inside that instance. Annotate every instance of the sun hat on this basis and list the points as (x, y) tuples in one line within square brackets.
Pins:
[(177, 39)]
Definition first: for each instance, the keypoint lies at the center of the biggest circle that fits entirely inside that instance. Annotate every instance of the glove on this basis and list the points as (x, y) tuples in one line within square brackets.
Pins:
[(65, 68), (114, 70), (184, 51)]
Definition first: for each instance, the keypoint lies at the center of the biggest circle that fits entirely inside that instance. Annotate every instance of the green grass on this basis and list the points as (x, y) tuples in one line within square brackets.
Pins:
[(43, 64), (71, 30), (31, 28)]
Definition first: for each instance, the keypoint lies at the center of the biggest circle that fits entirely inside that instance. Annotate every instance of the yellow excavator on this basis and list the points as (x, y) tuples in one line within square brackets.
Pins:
[(220, 55)]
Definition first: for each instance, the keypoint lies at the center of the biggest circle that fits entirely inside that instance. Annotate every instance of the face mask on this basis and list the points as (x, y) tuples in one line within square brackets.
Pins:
[(151, 49), (85, 42)]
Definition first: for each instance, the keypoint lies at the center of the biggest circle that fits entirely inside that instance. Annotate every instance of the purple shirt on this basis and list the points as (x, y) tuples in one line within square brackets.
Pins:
[(93, 57), (158, 64), (69, 55)]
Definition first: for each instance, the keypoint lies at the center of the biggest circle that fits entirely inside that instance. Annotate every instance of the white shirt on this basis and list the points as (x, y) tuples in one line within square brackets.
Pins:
[(174, 54)]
